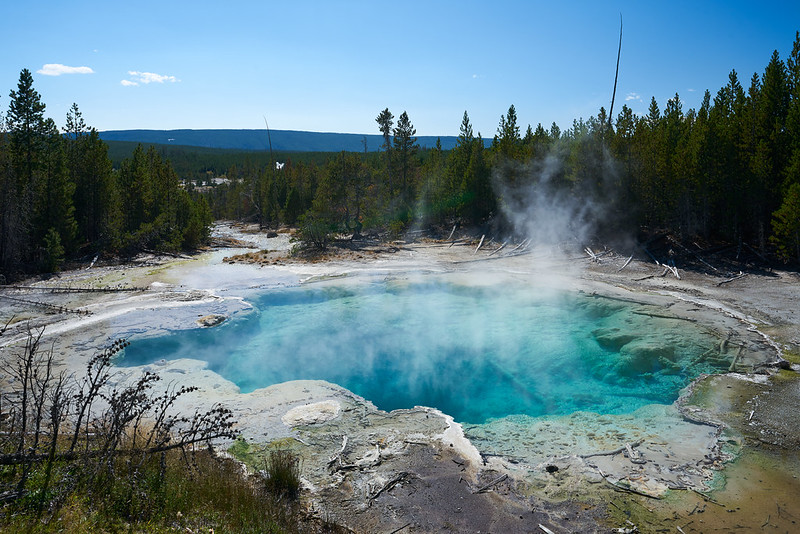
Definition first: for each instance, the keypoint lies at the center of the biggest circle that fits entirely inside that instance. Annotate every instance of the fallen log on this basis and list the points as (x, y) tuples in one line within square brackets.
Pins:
[(521, 245), (692, 252), (52, 307), (501, 247), (673, 270), (762, 258), (729, 280), (625, 264), (480, 244)]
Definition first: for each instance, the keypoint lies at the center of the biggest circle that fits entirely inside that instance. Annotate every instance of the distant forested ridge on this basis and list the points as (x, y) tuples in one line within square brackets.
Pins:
[(281, 140), (727, 171)]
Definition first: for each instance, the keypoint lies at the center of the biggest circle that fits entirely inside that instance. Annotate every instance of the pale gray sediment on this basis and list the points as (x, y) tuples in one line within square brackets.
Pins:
[(366, 467)]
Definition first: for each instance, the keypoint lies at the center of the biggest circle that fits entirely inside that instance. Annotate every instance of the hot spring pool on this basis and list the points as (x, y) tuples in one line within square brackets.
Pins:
[(476, 353)]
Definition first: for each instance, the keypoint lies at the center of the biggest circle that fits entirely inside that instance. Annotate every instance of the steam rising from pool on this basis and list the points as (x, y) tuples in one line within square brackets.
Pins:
[(476, 353)]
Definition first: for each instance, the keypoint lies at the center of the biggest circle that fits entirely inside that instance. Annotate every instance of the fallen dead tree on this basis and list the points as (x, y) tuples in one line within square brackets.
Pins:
[(52, 307), (69, 289)]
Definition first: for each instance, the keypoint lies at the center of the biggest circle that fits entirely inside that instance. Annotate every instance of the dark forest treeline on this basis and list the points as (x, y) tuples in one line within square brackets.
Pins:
[(60, 197), (729, 170)]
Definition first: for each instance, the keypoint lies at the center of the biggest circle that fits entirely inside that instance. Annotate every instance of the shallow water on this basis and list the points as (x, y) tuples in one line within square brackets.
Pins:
[(474, 353)]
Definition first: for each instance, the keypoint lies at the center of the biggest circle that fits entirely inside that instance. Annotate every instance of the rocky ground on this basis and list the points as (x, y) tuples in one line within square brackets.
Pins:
[(662, 469)]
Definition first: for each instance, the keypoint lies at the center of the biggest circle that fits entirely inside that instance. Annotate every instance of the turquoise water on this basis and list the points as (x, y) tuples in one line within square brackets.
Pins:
[(474, 353)]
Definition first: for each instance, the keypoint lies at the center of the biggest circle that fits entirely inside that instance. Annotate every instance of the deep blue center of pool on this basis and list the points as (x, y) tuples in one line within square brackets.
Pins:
[(474, 353)]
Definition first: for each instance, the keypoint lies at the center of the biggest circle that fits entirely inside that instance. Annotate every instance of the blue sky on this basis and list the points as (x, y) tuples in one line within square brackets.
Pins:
[(334, 65)]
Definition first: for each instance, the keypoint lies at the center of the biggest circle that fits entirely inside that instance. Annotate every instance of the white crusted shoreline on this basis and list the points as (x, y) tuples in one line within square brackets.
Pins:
[(677, 451)]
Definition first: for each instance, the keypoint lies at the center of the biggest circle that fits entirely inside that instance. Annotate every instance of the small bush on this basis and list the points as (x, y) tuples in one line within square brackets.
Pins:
[(282, 476)]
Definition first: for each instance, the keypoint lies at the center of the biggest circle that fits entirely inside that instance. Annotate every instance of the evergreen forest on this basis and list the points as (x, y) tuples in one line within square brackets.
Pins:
[(728, 171)]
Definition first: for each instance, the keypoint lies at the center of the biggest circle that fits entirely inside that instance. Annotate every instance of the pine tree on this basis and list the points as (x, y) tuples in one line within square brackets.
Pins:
[(507, 142), (26, 125), (43, 187), (405, 150), (786, 225), (385, 120)]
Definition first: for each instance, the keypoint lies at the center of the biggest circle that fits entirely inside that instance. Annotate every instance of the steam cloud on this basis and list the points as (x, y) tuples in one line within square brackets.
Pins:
[(558, 202)]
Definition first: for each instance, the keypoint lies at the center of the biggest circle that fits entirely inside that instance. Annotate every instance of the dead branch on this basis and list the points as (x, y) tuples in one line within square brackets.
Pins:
[(692, 252), (501, 247), (338, 456), (732, 367), (616, 74), (480, 244), (521, 245), (729, 280), (612, 453), (400, 477), (707, 498), (663, 316), (673, 270), (626, 489), (762, 258), (11, 319), (625, 264), (490, 484)]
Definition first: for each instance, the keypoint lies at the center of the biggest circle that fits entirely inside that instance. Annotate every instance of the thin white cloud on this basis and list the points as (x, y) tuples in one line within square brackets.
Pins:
[(128, 83), (150, 77), (57, 69), (633, 96)]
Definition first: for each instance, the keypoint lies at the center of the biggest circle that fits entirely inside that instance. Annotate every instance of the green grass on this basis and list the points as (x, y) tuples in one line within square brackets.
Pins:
[(205, 493)]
